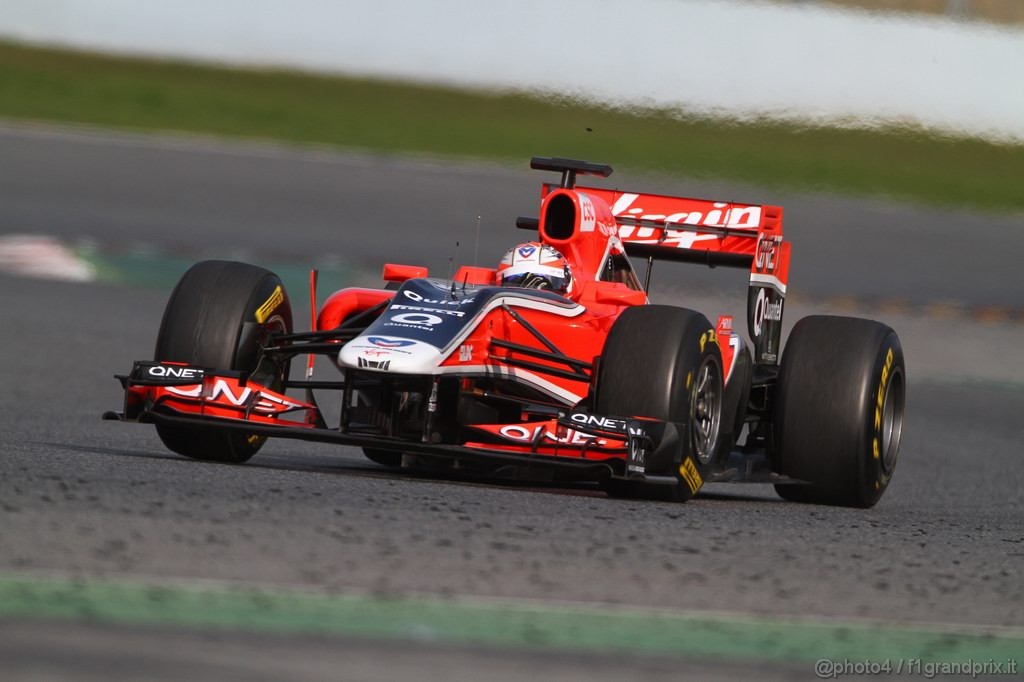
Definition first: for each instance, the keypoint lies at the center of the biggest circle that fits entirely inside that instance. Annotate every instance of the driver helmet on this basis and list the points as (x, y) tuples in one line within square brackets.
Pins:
[(535, 266)]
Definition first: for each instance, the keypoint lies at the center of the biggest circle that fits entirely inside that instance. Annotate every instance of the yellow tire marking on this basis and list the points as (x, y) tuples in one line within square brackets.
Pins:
[(689, 473), (270, 305)]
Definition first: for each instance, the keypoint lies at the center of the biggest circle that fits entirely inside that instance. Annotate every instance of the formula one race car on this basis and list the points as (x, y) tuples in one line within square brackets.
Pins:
[(553, 366)]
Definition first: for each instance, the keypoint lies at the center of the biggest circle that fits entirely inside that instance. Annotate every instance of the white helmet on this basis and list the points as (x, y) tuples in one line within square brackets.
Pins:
[(535, 266)]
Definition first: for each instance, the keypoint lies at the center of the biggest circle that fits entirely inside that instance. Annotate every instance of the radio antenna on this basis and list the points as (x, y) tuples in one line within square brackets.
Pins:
[(451, 262), (476, 249)]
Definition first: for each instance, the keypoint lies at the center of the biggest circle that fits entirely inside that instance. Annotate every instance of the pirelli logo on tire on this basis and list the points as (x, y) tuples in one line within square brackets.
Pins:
[(264, 312), (688, 470), (707, 336)]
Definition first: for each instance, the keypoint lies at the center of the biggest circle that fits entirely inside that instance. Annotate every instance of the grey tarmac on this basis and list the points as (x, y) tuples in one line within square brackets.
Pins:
[(91, 499)]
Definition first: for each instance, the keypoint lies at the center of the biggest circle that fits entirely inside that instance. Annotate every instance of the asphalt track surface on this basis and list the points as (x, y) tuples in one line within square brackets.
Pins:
[(89, 499)]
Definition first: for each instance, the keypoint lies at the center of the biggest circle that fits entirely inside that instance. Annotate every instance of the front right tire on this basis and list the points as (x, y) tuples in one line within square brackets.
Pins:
[(839, 410)]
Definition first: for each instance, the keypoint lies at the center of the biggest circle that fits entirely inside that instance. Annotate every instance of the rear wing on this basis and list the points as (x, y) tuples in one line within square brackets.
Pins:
[(714, 233), (690, 230), (731, 234)]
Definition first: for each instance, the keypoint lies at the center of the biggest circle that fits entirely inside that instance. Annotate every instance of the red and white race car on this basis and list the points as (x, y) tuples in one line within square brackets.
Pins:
[(553, 365)]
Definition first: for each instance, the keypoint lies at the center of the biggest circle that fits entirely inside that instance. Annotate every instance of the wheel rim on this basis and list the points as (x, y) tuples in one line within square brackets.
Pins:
[(706, 409), (267, 373), (892, 421)]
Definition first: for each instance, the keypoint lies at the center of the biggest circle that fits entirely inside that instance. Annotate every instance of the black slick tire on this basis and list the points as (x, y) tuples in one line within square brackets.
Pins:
[(839, 409), (215, 318), (664, 363)]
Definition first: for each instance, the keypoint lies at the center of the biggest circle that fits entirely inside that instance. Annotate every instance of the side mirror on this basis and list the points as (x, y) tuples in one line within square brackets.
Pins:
[(400, 273)]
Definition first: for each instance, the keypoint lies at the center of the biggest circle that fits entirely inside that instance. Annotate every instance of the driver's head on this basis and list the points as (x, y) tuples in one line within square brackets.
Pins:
[(535, 266)]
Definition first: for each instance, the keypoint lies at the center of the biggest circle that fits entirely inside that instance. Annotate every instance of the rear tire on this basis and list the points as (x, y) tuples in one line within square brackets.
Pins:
[(664, 362), (211, 321), (839, 410)]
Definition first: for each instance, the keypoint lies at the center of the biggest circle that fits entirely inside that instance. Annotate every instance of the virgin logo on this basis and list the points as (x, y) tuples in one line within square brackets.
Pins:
[(720, 215)]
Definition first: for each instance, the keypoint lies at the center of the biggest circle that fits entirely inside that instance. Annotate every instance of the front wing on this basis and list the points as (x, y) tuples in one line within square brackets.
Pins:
[(592, 446)]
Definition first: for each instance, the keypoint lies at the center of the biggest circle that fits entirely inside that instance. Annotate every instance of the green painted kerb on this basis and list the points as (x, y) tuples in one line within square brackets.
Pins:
[(493, 623)]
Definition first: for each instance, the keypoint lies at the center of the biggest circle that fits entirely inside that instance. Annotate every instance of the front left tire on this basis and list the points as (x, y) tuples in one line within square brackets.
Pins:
[(664, 363)]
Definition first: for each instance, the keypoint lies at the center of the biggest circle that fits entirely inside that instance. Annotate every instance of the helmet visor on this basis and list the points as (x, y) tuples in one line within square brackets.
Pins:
[(532, 280)]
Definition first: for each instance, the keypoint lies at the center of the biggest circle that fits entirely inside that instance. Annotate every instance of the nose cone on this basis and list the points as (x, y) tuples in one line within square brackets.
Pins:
[(389, 354)]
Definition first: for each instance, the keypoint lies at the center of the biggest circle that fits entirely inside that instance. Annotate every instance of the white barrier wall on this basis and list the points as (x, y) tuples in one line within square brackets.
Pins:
[(707, 56)]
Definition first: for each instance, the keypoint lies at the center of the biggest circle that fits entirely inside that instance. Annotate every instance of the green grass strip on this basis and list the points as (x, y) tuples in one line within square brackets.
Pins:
[(75, 87), (502, 623)]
